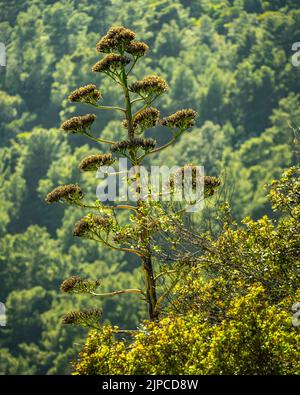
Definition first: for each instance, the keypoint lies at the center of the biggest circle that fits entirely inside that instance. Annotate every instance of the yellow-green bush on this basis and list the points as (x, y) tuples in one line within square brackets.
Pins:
[(231, 315), (254, 338)]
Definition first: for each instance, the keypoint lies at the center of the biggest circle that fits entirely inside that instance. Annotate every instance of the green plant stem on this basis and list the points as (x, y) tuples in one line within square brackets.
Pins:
[(164, 274), (108, 107), (116, 248), (144, 238), (122, 291), (148, 103), (137, 100), (132, 66), (118, 207), (128, 104), (176, 136), (99, 140)]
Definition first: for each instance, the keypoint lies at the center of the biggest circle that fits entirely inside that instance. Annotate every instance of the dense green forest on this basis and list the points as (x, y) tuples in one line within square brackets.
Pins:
[(229, 60)]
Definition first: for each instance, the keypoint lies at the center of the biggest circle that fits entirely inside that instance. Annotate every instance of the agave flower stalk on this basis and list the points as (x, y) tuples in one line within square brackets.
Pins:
[(121, 53)]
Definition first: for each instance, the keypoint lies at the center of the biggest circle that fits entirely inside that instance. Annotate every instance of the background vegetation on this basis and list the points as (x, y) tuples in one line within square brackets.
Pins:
[(229, 60)]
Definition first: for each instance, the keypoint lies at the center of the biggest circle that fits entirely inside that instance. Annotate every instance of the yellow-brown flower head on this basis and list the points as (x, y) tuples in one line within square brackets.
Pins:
[(146, 119), (182, 119), (111, 62), (123, 146), (89, 318), (92, 224), (137, 48), (81, 228), (117, 38), (119, 238), (93, 162), (76, 284), (178, 179), (209, 183), (65, 193), (78, 124), (152, 85), (85, 94)]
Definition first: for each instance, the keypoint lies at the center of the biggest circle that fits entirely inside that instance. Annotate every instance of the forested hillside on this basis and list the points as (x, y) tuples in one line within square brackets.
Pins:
[(229, 60)]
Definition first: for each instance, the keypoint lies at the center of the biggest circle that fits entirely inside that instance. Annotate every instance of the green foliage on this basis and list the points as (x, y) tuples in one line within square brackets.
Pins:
[(20, 250), (230, 61), (231, 315), (255, 338)]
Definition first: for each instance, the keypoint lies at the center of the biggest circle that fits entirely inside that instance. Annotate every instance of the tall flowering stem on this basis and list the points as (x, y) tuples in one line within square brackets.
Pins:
[(121, 54)]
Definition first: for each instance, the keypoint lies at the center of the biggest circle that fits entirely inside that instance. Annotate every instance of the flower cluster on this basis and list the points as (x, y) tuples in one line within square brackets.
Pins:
[(91, 224), (93, 162), (178, 179), (85, 94), (182, 119), (78, 124), (119, 238), (111, 63), (117, 38), (152, 85), (137, 48), (122, 146), (147, 118), (65, 193), (87, 318), (210, 183), (75, 284)]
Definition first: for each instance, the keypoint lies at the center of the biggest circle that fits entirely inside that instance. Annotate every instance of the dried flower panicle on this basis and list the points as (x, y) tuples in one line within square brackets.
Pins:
[(66, 193), (81, 228), (120, 33), (137, 48), (146, 119), (76, 284), (146, 144), (111, 62), (94, 162), (117, 38), (78, 124), (178, 179), (210, 182), (87, 318), (92, 224), (182, 119), (85, 94), (119, 238), (152, 85), (103, 222)]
